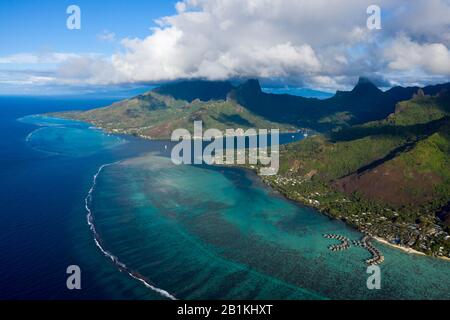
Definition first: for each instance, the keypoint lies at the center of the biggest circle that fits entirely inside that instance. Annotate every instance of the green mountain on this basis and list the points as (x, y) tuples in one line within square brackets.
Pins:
[(219, 104), (390, 177), (381, 161), (157, 113)]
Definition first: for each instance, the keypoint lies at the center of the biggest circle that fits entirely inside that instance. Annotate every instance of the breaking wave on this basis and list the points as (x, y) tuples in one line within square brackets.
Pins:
[(98, 241)]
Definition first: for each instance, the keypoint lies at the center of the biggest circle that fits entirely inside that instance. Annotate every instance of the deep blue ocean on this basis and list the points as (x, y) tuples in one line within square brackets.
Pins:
[(39, 194), (189, 232)]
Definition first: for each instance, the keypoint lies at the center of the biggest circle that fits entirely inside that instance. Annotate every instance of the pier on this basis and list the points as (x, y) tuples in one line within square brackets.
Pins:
[(344, 245), (365, 242), (377, 257)]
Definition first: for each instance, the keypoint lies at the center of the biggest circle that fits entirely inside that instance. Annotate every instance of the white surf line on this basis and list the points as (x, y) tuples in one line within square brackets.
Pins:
[(28, 137), (114, 259)]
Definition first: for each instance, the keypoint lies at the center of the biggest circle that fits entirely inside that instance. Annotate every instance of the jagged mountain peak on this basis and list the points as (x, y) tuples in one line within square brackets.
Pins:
[(362, 80), (365, 85), (252, 84)]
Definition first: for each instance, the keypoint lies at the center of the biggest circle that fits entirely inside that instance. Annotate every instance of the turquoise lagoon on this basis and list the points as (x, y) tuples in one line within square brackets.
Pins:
[(202, 232), (67, 137)]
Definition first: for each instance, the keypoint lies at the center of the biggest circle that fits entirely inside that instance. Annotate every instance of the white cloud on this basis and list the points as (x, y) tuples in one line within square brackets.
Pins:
[(322, 43), (87, 70), (405, 54), (421, 20), (180, 7), (32, 58), (219, 39), (299, 40), (23, 78), (106, 36)]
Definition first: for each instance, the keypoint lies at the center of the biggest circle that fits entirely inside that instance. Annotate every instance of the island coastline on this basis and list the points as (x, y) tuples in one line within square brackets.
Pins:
[(384, 241)]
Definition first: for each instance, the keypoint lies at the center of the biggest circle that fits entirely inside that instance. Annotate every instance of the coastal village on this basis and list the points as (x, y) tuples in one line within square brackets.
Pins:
[(428, 239)]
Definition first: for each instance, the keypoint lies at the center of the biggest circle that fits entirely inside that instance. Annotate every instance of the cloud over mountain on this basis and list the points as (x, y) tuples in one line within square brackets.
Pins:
[(321, 43)]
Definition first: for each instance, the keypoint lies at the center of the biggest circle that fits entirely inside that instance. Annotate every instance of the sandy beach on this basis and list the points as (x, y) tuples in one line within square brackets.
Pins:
[(405, 249)]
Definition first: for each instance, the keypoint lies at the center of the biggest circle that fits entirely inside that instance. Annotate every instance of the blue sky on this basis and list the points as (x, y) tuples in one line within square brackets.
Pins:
[(325, 44), (39, 27), (32, 26)]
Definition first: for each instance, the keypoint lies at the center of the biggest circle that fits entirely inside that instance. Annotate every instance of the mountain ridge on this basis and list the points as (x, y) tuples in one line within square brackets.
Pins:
[(155, 113)]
